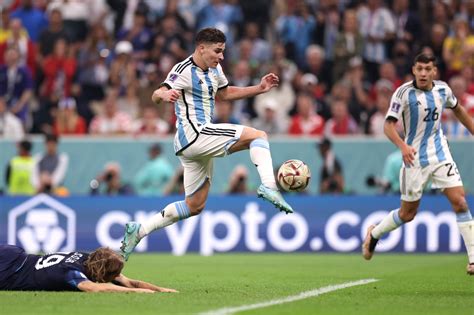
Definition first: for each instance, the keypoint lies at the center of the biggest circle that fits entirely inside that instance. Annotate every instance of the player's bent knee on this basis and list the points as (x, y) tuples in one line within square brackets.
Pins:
[(195, 206), (459, 204), (407, 216)]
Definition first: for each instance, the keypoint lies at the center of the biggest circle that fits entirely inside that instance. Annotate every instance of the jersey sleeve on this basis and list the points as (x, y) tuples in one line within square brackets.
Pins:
[(451, 100), (176, 80), (396, 107), (221, 78), (74, 277)]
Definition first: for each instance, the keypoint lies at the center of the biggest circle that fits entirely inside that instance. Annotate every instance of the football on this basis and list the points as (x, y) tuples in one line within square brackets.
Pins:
[(293, 175)]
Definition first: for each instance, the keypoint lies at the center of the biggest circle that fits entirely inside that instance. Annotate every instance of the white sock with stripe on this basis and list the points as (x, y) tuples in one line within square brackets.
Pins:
[(389, 223), (466, 228), (172, 213), (261, 157)]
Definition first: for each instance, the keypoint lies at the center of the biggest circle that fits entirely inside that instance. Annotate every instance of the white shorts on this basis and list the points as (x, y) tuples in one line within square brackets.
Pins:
[(414, 179), (214, 140)]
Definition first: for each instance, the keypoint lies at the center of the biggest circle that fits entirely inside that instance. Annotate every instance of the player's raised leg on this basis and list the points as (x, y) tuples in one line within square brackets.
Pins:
[(456, 197), (257, 142)]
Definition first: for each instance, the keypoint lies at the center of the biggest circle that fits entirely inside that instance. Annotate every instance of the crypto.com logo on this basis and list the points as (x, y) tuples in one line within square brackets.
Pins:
[(42, 224)]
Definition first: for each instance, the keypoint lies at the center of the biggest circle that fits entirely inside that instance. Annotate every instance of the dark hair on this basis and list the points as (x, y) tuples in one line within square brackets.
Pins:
[(210, 35), (103, 265), (50, 137), (425, 58), (25, 145)]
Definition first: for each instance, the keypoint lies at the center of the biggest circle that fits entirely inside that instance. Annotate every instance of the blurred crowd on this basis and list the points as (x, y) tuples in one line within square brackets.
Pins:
[(76, 67)]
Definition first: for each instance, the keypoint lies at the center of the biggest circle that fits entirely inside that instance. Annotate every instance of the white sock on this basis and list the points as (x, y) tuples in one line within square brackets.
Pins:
[(261, 157), (171, 213), (389, 223), (466, 228)]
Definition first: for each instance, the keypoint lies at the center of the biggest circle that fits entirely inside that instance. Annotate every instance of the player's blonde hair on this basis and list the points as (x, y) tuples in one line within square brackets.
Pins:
[(103, 265)]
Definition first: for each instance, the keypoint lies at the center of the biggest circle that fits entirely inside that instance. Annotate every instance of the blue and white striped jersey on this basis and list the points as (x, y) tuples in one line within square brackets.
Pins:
[(420, 112), (195, 106)]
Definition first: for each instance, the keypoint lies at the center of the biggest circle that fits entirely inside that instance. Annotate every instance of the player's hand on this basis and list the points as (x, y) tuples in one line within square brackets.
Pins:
[(408, 154), (170, 95), (167, 290), (268, 81), (139, 290)]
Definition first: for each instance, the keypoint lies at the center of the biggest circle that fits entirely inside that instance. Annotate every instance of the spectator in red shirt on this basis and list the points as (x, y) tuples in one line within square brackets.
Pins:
[(341, 122), (111, 120), (306, 121), (67, 121)]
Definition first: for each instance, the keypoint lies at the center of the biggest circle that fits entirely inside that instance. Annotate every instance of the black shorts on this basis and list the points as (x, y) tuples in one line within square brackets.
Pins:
[(12, 259)]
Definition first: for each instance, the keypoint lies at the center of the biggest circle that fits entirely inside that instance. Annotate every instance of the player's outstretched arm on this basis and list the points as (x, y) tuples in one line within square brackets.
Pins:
[(132, 283), (464, 118), (234, 92), (89, 286), (165, 94)]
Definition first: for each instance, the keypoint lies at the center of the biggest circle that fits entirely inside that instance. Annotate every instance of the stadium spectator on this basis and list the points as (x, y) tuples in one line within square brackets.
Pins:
[(11, 127), (316, 65), (294, 29), (48, 37), (341, 122), (452, 127), (16, 85), (224, 113), (331, 176), (32, 18), (284, 93), (377, 26), (18, 39), (93, 69), (384, 89), (153, 176), (435, 41), (66, 119), (150, 123), (288, 66), (139, 35), (349, 44), (109, 181), (224, 15), (50, 167), (260, 50), (172, 40), (458, 49), (241, 76), (99, 271), (20, 170), (269, 122), (123, 70), (306, 121), (111, 120), (407, 24)]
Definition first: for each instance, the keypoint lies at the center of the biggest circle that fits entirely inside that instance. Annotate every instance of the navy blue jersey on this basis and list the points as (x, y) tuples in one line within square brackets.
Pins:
[(53, 272)]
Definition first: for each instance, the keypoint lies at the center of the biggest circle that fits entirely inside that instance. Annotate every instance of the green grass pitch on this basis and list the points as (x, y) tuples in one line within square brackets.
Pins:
[(409, 284)]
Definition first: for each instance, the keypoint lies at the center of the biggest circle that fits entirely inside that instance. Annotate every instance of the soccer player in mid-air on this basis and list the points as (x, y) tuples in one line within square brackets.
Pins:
[(425, 152), (193, 85), (99, 271)]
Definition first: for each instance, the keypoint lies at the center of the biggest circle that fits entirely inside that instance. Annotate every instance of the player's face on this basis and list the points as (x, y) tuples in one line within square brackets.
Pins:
[(212, 54), (424, 74)]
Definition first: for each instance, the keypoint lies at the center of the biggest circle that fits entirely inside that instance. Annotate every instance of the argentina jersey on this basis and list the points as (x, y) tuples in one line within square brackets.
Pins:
[(195, 106), (420, 112)]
